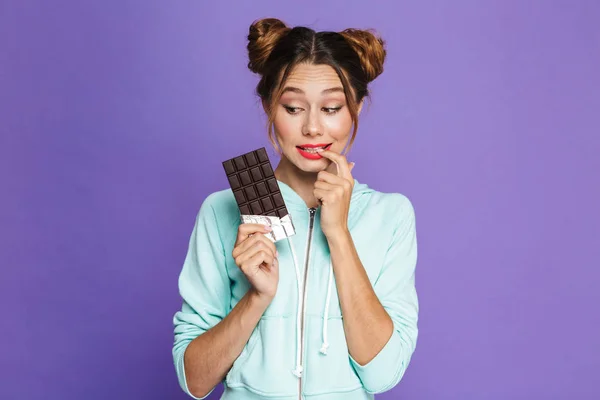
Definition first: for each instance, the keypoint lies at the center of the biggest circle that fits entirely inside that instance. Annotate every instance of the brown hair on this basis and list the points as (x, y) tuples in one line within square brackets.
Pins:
[(274, 49)]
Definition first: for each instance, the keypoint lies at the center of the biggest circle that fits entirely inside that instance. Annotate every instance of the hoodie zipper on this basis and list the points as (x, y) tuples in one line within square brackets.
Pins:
[(311, 212)]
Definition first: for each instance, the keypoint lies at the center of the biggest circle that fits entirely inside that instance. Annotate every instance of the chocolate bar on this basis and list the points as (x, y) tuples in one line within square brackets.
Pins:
[(254, 185), (257, 192)]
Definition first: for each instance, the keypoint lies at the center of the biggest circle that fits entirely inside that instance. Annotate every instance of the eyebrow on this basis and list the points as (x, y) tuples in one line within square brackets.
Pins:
[(300, 91)]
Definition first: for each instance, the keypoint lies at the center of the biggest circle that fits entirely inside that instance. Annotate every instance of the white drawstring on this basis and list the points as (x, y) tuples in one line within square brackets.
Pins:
[(298, 370), (325, 344)]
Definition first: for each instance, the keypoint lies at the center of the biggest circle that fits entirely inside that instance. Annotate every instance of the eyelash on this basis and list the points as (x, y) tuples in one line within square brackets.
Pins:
[(333, 110)]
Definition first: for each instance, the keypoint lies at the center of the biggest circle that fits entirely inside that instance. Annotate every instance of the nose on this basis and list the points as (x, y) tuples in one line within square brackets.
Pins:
[(312, 125)]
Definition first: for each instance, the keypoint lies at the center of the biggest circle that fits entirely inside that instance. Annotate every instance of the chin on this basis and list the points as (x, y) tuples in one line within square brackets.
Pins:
[(308, 165), (313, 165)]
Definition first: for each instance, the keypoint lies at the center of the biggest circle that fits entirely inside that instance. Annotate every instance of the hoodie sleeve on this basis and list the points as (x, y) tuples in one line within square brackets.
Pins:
[(203, 286), (395, 288)]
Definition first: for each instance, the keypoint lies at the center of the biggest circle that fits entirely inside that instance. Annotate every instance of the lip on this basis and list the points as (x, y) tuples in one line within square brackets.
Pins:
[(312, 156)]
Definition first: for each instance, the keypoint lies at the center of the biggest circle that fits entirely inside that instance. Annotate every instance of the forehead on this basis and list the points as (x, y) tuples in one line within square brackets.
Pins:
[(313, 75)]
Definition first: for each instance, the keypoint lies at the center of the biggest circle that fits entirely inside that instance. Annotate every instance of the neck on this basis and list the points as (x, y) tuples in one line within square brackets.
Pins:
[(302, 182)]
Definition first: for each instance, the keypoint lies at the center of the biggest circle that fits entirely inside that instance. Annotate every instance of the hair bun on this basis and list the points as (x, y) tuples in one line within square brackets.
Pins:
[(370, 49), (262, 38)]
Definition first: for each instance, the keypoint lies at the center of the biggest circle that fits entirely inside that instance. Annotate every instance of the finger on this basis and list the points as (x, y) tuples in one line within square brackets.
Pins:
[(245, 230), (323, 196), (254, 244), (324, 176), (340, 160), (324, 185), (243, 259), (336, 182), (274, 265), (256, 260), (333, 193), (267, 243), (245, 244), (333, 168)]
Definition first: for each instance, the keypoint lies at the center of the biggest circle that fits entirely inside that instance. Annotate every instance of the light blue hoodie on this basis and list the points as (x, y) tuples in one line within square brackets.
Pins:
[(298, 350)]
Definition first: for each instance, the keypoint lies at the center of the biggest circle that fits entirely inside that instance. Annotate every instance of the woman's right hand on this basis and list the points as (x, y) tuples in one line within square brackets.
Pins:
[(256, 256)]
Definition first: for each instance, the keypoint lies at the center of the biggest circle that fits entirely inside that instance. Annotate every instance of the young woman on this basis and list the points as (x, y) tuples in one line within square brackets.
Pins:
[(330, 312)]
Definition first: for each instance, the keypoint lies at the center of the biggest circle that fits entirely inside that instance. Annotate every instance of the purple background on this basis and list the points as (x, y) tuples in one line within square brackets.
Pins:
[(487, 117)]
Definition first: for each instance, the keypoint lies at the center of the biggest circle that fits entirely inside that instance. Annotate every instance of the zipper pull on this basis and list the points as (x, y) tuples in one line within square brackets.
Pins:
[(312, 212)]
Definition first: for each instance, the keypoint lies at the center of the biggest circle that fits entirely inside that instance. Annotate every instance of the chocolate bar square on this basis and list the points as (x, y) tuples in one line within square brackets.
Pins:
[(254, 185)]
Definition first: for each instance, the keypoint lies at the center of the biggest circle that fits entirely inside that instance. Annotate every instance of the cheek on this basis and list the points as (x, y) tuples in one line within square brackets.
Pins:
[(339, 126), (285, 127)]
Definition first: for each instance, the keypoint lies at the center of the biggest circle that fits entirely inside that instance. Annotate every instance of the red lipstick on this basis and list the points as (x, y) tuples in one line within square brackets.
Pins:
[(311, 154)]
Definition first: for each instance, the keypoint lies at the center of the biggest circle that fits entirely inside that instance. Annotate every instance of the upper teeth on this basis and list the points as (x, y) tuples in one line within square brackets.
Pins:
[(313, 150)]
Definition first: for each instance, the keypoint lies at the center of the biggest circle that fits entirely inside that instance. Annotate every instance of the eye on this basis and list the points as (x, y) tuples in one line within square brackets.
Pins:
[(331, 110), (292, 110)]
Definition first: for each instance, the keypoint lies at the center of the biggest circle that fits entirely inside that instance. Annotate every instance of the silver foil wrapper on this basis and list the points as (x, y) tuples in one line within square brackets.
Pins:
[(281, 227)]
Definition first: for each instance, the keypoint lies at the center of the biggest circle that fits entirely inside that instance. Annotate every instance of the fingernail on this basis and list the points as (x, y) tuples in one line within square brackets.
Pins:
[(277, 254), (268, 228)]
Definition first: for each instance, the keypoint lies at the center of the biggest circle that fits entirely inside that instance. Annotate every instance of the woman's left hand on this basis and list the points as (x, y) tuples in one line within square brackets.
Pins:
[(333, 189)]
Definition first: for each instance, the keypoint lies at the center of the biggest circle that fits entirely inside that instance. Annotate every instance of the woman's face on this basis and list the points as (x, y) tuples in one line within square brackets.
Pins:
[(312, 111)]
